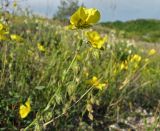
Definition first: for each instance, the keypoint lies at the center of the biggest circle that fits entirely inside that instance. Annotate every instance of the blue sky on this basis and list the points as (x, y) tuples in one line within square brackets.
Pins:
[(111, 10)]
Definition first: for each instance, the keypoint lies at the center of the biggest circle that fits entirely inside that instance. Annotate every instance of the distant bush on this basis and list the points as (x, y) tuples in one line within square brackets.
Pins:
[(66, 9), (141, 29)]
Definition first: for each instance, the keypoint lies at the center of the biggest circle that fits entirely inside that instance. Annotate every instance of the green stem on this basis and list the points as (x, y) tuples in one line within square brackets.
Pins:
[(31, 124), (47, 123), (73, 60)]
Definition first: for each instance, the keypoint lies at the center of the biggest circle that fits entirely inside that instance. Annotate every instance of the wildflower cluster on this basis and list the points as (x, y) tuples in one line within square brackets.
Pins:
[(132, 60), (78, 71), (6, 35)]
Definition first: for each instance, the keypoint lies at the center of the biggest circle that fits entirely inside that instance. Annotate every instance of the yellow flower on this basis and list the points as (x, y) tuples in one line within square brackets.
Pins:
[(95, 82), (16, 38), (151, 52), (124, 65), (84, 17), (136, 58), (95, 39), (101, 86), (24, 110), (40, 47)]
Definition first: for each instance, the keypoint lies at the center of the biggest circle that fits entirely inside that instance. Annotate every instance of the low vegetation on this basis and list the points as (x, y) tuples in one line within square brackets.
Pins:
[(143, 30), (76, 78)]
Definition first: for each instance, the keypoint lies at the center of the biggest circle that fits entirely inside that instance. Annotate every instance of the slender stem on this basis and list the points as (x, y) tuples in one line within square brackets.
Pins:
[(4, 64), (33, 122), (45, 124), (73, 60)]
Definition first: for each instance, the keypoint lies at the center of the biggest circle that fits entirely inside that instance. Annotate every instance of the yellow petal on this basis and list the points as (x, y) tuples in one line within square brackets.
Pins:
[(82, 13), (78, 16), (101, 86), (94, 81), (40, 47), (136, 58), (93, 15), (95, 39), (24, 110), (152, 52), (16, 37)]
